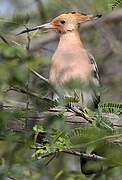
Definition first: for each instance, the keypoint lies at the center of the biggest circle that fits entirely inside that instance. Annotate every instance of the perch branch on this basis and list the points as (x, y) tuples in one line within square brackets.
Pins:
[(75, 153)]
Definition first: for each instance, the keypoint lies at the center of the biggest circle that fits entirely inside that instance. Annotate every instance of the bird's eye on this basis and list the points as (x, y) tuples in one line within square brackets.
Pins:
[(62, 22), (73, 12)]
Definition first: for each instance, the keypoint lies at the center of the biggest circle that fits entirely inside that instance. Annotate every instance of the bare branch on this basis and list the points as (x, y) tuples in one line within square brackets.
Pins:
[(82, 114), (39, 76), (4, 40), (75, 153)]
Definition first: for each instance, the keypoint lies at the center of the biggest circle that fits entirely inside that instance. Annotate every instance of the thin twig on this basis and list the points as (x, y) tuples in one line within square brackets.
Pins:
[(39, 76), (30, 94), (47, 163), (28, 80), (79, 154), (27, 103), (4, 40), (20, 90), (44, 79), (28, 40), (80, 113), (11, 178), (87, 156)]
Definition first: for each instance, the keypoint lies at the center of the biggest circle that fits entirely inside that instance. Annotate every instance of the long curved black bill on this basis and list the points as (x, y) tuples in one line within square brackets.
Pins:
[(43, 26)]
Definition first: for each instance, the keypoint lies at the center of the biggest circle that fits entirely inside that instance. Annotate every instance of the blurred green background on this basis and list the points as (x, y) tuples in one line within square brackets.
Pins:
[(17, 53)]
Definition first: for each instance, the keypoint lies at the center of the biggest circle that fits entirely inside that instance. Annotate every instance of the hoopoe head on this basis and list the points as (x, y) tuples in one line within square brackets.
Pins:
[(65, 22), (69, 22)]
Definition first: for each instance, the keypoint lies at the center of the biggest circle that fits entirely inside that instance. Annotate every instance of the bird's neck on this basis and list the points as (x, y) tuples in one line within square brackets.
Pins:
[(69, 60), (69, 40)]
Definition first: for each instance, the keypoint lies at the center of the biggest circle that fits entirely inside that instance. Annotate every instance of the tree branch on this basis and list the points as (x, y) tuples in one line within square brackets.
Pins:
[(76, 153), (39, 76)]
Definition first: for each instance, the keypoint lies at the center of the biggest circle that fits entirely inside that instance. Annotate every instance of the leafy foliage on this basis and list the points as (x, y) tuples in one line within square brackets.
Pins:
[(112, 108), (39, 144), (116, 3)]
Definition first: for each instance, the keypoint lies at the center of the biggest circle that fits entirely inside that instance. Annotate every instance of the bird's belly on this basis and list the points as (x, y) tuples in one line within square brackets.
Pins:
[(62, 74)]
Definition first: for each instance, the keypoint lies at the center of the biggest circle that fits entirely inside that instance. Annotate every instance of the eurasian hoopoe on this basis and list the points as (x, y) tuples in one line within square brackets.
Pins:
[(72, 62)]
